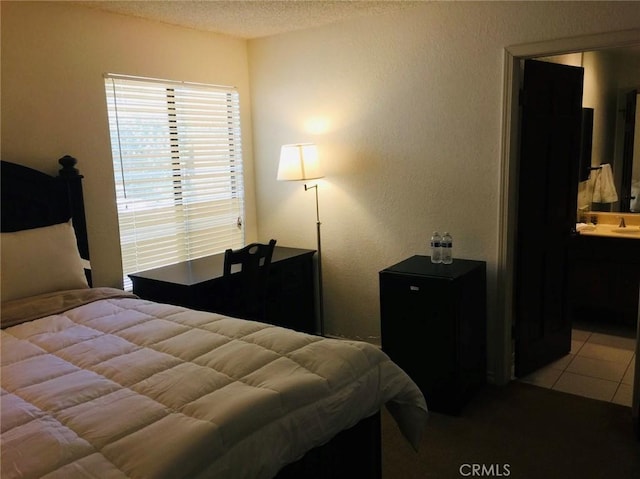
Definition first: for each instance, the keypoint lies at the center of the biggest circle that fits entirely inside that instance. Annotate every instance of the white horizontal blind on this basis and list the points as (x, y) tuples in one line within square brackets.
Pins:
[(177, 161)]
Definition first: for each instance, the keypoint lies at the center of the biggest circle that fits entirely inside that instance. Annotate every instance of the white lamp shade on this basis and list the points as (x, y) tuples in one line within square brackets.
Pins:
[(299, 162)]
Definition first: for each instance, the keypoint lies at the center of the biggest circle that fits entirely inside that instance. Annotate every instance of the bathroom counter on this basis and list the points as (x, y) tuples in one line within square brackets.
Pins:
[(609, 230)]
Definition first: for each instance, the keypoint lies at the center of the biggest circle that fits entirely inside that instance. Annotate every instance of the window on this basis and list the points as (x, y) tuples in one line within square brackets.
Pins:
[(177, 162)]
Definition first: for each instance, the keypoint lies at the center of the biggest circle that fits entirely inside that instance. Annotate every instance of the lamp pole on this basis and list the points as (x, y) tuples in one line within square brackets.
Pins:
[(299, 161), (320, 295)]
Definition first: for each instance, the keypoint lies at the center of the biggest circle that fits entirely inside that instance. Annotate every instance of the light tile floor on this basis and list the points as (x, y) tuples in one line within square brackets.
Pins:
[(599, 366)]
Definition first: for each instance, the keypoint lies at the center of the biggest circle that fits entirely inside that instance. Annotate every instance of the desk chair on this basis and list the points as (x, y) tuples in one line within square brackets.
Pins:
[(247, 288)]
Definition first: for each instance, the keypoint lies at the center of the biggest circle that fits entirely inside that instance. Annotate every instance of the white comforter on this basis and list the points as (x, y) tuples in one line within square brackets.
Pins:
[(122, 387)]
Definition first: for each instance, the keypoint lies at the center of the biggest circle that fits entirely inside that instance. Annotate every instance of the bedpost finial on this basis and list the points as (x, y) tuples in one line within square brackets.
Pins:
[(68, 166)]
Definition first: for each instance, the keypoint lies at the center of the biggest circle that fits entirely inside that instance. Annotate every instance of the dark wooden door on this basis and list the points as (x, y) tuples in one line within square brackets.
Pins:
[(551, 109)]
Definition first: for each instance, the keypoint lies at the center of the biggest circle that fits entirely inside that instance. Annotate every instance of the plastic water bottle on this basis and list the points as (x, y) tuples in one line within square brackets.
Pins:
[(436, 248), (447, 248)]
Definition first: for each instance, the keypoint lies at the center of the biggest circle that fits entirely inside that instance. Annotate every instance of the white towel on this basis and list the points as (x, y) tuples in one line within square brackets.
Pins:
[(604, 191), (635, 196), (585, 227)]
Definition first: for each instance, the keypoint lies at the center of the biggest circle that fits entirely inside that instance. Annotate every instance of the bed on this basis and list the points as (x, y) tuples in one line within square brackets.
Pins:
[(99, 383)]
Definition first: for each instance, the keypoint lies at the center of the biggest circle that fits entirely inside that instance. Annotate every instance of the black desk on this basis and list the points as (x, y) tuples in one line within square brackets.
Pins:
[(199, 284)]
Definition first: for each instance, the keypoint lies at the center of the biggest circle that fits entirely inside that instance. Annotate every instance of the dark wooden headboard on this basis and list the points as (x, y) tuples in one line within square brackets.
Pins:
[(33, 199)]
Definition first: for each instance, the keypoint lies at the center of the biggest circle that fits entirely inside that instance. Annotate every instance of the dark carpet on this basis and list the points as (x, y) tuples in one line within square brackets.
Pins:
[(519, 431)]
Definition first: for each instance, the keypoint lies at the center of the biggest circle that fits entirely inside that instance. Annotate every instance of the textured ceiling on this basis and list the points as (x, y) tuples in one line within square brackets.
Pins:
[(249, 19)]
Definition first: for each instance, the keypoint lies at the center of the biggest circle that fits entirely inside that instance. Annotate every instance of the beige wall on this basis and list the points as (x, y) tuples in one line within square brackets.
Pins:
[(54, 55), (410, 107), (600, 93)]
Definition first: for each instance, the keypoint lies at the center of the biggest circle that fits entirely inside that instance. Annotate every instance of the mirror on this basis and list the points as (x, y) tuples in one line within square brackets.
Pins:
[(611, 79), (630, 178)]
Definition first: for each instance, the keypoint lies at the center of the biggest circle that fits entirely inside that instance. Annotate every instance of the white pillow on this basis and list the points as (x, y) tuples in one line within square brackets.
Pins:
[(40, 260)]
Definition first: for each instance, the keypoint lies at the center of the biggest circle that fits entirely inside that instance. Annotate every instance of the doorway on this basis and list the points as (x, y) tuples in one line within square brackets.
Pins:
[(599, 360), (509, 177)]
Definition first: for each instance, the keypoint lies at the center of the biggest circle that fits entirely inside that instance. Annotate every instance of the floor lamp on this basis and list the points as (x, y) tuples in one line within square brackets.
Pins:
[(300, 162)]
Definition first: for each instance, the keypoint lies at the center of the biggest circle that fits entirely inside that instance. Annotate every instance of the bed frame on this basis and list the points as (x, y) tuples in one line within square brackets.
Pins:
[(32, 199)]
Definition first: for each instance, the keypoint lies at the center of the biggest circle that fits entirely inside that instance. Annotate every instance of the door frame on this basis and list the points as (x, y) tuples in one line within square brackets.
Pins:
[(509, 161)]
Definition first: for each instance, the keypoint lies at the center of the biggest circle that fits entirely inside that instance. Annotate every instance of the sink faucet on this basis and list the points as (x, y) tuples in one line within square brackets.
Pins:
[(622, 223)]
